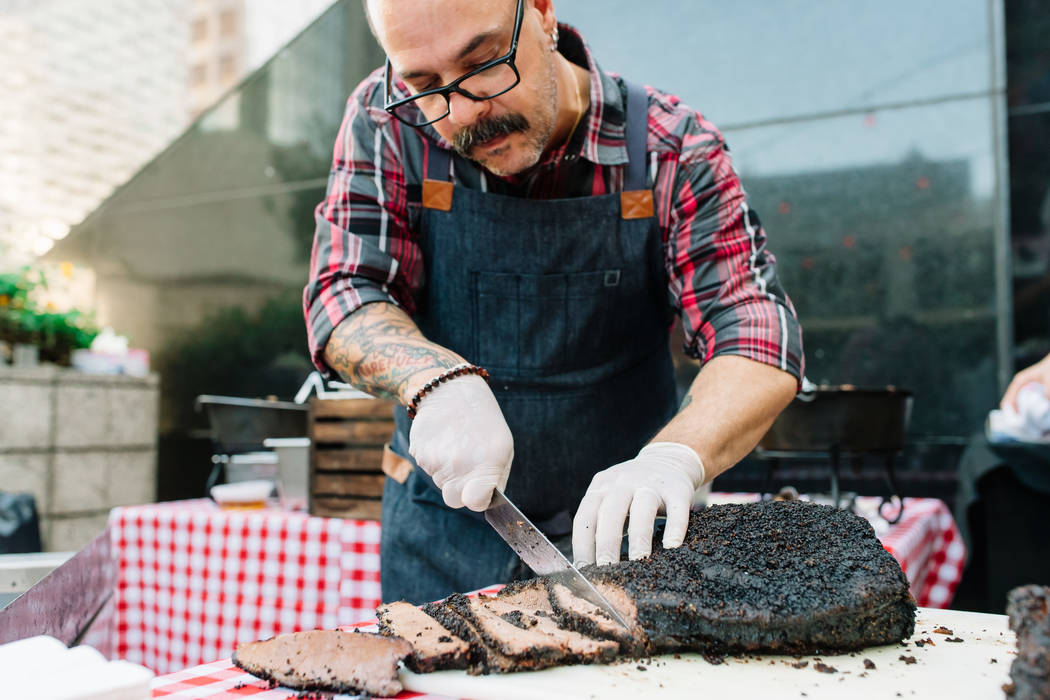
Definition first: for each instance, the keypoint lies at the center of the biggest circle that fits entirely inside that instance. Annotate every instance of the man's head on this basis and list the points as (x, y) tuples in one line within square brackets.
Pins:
[(431, 43)]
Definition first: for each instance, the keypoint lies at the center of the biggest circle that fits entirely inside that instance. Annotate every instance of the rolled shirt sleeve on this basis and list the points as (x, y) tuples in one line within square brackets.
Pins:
[(363, 248), (722, 279)]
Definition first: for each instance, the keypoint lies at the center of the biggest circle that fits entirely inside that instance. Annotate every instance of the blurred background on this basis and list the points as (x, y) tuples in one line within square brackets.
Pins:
[(160, 161)]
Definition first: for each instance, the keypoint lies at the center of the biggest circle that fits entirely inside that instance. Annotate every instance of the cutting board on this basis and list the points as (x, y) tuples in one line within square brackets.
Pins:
[(976, 667)]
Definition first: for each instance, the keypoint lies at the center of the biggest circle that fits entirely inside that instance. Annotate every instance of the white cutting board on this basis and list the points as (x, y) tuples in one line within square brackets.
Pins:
[(945, 670)]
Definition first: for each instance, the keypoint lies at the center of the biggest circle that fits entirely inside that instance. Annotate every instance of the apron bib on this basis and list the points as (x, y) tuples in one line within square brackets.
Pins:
[(564, 302)]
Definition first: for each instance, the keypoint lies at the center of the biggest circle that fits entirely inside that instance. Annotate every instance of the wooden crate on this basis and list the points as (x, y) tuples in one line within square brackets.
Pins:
[(346, 454)]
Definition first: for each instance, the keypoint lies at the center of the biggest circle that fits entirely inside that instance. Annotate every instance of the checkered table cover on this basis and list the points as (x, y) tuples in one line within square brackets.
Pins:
[(196, 580), (926, 542)]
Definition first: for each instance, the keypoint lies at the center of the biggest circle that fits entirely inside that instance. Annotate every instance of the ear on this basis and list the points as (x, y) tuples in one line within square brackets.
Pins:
[(546, 10)]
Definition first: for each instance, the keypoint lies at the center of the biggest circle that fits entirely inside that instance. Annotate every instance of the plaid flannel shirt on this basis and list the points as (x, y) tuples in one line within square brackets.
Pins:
[(721, 278)]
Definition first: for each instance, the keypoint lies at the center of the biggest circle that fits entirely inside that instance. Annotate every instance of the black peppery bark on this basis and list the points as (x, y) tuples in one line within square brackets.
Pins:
[(1029, 610), (784, 577)]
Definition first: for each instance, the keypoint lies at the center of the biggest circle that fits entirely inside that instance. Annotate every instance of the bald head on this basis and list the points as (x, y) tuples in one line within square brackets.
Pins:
[(434, 43)]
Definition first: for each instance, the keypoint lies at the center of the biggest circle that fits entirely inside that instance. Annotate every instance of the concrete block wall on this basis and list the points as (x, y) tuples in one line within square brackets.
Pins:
[(80, 443)]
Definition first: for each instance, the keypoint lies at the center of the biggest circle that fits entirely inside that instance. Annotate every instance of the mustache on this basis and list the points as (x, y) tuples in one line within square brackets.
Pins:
[(468, 137)]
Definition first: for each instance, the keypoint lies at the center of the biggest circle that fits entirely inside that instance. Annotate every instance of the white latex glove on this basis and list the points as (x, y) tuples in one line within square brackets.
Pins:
[(459, 438), (663, 477)]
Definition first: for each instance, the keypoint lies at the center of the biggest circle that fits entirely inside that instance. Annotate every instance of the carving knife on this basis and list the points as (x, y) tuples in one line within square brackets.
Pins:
[(543, 557)]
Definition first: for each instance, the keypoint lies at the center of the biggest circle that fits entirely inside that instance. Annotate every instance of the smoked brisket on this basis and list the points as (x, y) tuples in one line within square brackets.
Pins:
[(341, 662), (1029, 610), (434, 647), (506, 636), (784, 577)]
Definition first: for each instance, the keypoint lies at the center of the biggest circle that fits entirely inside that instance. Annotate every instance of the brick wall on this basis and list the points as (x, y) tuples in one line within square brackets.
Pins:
[(80, 443)]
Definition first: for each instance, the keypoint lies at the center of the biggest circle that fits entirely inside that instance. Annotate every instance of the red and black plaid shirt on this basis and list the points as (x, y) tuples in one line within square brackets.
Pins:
[(720, 276)]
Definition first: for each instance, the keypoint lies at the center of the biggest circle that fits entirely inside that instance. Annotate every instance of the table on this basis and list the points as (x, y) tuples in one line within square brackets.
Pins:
[(196, 580), (976, 668)]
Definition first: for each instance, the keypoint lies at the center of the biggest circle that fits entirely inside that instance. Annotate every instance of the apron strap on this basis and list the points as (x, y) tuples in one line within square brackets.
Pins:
[(636, 200), (437, 182)]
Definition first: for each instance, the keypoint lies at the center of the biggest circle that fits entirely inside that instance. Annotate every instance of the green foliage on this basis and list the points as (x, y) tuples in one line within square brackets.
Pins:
[(234, 352), (57, 334)]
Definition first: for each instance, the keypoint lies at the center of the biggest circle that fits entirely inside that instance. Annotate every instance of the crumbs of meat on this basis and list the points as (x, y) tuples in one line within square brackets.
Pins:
[(824, 668), (953, 639), (923, 642), (869, 664), (909, 660), (942, 630), (800, 664), (713, 659)]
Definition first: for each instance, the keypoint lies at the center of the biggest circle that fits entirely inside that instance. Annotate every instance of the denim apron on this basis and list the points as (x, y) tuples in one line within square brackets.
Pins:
[(565, 303)]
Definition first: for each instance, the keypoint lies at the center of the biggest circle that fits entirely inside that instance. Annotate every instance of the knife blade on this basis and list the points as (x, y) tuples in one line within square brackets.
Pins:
[(541, 555)]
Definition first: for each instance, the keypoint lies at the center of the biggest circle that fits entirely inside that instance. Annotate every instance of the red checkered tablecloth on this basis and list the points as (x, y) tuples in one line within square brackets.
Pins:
[(927, 544), (196, 580), (158, 632)]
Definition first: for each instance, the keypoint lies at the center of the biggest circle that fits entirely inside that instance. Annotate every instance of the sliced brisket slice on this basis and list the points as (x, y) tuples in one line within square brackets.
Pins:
[(784, 577), (481, 658), (505, 637), (341, 662), (527, 606), (1029, 610), (435, 648), (583, 616)]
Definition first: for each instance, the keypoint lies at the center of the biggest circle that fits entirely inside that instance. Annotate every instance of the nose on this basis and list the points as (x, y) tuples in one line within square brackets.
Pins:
[(463, 111)]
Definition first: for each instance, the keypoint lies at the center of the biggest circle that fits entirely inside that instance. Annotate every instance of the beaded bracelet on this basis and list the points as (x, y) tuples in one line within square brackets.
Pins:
[(458, 370)]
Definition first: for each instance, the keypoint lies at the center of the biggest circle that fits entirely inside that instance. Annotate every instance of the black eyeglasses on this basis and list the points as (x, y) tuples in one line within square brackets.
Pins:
[(483, 83)]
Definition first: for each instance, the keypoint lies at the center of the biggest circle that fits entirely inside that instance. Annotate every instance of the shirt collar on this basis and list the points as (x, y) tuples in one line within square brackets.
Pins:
[(601, 136)]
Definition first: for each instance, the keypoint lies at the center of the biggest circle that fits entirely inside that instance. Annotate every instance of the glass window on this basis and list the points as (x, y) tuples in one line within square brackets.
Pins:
[(228, 21)]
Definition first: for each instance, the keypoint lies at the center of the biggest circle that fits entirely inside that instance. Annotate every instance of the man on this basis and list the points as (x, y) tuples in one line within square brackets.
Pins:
[(500, 206)]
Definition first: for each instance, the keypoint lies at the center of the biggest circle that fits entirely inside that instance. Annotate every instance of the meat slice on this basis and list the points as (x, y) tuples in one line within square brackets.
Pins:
[(1029, 610), (583, 616), (505, 637), (434, 647), (331, 660), (783, 577), (527, 606), (481, 657)]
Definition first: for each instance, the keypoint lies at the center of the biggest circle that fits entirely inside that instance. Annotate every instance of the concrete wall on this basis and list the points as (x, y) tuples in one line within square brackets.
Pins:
[(80, 443)]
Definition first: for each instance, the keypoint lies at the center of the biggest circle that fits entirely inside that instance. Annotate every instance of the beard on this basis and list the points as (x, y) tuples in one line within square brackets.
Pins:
[(537, 133)]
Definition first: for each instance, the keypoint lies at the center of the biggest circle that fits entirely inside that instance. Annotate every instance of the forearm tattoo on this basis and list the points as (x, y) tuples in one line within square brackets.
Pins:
[(378, 349)]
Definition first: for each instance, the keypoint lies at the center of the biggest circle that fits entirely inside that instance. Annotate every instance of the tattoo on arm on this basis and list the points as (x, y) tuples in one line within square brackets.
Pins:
[(379, 349)]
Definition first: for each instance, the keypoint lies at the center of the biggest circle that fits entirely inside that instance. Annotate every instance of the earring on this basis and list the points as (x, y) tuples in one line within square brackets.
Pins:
[(554, 39)]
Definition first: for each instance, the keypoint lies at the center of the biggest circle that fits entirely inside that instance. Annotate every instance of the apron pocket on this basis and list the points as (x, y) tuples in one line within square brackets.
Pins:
[(529, 325)]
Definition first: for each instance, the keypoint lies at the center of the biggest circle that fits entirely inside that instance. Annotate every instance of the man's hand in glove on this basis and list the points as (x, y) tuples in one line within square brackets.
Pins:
[(662, 478), (459, 438)]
